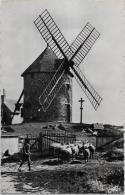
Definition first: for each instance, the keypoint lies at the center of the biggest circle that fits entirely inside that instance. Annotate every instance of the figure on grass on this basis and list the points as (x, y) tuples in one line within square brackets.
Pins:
[(25, 154)]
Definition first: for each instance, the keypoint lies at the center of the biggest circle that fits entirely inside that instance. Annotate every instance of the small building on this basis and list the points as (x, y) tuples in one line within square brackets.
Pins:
[(9, 143), (7, 109), (108, 135), (36, 78), (103, 140), (98, 126)]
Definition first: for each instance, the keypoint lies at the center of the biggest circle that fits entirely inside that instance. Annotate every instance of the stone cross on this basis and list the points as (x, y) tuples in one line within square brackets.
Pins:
[(81, 108)]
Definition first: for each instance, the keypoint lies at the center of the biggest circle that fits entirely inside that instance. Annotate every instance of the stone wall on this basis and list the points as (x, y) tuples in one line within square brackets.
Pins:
[(61, 107)]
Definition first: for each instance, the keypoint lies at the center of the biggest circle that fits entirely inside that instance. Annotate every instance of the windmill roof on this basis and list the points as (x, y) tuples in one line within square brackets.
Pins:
[(44, 63)]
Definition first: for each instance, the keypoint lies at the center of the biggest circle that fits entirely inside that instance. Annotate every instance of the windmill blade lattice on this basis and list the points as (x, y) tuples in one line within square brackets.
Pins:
[(53, 93), (52, 35), (53, 87), (83, 43), (89, 91), (76, 53)]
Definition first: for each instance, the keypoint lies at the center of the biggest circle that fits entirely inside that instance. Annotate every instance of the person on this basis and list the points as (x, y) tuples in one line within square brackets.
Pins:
[(25, 154)]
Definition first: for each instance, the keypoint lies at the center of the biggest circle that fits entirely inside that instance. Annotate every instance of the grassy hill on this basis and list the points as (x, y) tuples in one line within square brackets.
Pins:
[(35, 128)]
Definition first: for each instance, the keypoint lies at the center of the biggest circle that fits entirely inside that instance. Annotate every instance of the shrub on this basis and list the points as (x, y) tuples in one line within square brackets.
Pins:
[(113, 189), (114, 177), (114, 155)]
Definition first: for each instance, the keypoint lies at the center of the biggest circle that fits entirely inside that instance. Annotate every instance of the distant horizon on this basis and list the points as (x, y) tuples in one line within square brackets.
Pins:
[(14, 100)]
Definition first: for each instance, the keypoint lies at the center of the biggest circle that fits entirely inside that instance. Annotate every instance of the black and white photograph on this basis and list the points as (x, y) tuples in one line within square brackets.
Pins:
[(62, 75)]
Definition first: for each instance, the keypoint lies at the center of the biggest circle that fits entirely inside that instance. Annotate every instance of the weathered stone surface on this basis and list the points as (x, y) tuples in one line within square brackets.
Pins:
[(35, 81)]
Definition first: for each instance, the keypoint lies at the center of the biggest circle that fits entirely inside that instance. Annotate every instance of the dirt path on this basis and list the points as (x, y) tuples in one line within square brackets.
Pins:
[(44, 176), (13, 181)]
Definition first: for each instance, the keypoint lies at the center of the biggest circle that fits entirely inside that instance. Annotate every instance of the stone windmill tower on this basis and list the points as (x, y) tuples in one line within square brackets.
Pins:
[(36, 78), (48, 81)]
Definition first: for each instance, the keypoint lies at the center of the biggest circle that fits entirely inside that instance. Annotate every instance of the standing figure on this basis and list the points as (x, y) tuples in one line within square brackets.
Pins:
[(92, 150), (25, 154)]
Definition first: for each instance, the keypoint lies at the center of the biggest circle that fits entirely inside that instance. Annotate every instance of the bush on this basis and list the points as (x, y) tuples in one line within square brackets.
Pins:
[(114, 177), (113, 189), (115, 154), (96, 186)]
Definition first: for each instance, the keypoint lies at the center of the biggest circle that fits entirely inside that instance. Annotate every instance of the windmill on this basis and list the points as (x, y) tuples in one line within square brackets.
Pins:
[(71, 57)]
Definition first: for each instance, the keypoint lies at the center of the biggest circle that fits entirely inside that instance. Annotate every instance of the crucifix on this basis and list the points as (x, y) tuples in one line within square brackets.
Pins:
[(81, 108)]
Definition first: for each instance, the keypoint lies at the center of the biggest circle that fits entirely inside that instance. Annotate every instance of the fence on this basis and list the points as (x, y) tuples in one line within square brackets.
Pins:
[(48, 137), (42, 144), (101, 141)]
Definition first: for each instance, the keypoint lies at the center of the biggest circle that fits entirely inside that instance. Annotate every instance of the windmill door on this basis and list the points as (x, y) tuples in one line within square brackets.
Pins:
[(68, 113)]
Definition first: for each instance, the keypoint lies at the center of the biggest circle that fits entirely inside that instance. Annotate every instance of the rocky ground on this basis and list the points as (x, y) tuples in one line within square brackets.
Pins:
[(51, 176)]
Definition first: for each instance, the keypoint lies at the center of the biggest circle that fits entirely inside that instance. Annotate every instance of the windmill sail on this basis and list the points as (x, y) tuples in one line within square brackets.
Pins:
[(76, 53), (83, 43), (53, 87), (89, 91), (52, 35), (52, 94)]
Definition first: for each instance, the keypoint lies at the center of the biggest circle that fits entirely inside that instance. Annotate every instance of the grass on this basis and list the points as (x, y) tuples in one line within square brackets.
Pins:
[(115, 154), (102, 175), (83, 178)]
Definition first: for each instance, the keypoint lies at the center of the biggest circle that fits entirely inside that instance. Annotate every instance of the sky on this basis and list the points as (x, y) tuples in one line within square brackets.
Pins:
[(103, 66)]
